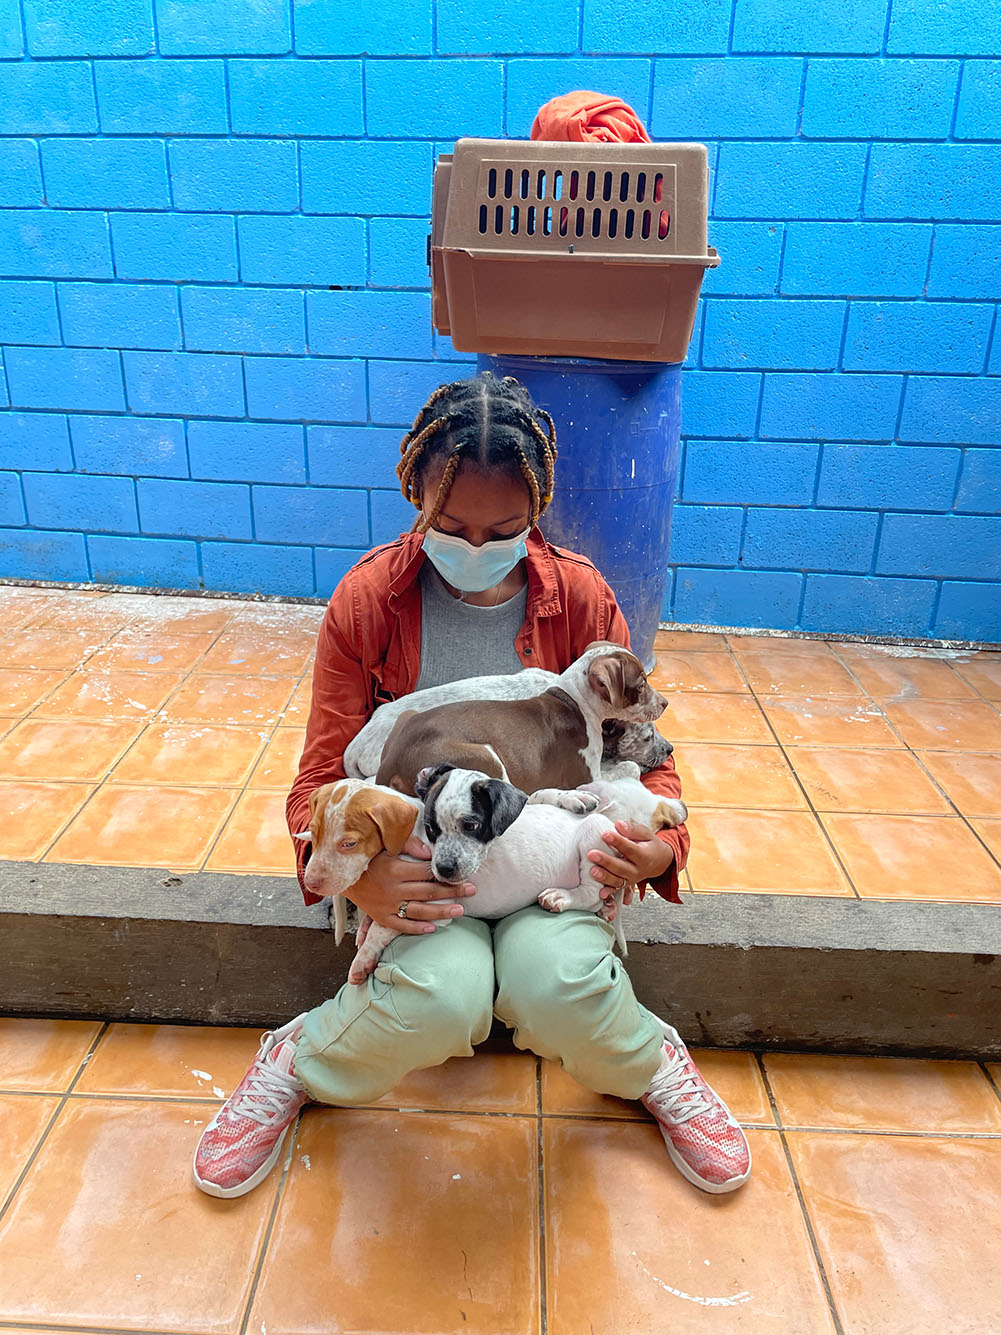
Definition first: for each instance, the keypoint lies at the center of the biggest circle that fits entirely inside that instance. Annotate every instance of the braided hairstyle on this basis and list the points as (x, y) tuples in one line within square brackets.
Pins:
[(488, 422)]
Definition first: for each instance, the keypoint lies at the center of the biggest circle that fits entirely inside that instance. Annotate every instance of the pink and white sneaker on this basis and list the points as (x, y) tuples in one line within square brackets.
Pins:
[(702, 1137), (241, 1144)]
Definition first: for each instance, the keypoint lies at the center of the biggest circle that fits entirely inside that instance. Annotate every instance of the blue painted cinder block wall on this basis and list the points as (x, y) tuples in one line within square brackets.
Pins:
[(214, 307)]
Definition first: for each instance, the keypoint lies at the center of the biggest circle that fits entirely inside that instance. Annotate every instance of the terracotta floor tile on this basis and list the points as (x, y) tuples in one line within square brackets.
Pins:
[(250, 649), (256, 837), (813, 721), (21, 689), (43, 1055), (694, 640), (733, 1075), (882, 1093), (24, 1119), (20, 606), (190, 1061), (191, 753), (278, 616), (109, 695), (150, 615), (219, 699), (297, 710), (563, 1095), (49, 649), (891, 1215), (961, 725), (738, 776), (155, 651), (691, 717), (899, 679), (632, 1247), (64, 748), (781, 852), (972, 781), (705, 671), (994, 1071), (779, 644), (93, 616), (915, 857), (404, 1217), (279, 761), (32, 814), (983, 672), (108, 1230), (785, 673), (845, 779), (145, 827), (990, 833), (501, 1082)]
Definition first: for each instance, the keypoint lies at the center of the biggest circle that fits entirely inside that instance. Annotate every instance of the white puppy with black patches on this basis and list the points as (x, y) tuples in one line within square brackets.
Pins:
[(515, 852)]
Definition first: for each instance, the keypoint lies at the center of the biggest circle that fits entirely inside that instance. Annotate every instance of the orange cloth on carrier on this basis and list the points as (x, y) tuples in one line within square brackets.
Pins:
[(583, 117)]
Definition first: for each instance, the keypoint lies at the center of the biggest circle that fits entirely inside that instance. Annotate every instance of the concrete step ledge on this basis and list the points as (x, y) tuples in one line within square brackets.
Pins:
[(734, 970)]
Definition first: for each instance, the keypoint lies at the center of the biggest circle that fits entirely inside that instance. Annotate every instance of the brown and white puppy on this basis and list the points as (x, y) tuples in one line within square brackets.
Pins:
[(639, 742), (349, 823), (550, 741)]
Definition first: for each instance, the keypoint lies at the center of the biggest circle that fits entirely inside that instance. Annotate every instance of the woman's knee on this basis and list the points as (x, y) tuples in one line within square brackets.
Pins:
[(541, 956), (445, 994)]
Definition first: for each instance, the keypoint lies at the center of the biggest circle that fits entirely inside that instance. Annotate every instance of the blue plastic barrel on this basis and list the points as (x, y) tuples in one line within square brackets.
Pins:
[(618, 426)]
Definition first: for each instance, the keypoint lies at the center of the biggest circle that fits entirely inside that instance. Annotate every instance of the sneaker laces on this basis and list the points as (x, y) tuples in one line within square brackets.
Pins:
[(677, 1089), (268, 1093)]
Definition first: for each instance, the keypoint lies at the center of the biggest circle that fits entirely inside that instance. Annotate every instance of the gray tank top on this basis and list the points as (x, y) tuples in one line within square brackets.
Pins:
[(458, 640)]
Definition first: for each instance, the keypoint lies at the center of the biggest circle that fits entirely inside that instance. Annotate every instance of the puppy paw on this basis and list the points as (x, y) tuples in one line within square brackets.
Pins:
[(555, 901), (567, 799), (361, 967)]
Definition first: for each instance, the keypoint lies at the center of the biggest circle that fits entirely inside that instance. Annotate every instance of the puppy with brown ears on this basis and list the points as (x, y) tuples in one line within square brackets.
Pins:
[(350, 821)]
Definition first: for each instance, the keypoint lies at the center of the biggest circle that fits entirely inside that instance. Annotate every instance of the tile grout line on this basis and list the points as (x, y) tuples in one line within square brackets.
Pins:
[(269, 1231), (912, 751), (100, 784), (203, 866), (63, 1100), (817, 1259), (543, 1289), (809, 801)]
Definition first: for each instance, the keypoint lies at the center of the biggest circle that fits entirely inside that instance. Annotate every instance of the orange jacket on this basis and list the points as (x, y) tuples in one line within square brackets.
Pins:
[(368, 652)]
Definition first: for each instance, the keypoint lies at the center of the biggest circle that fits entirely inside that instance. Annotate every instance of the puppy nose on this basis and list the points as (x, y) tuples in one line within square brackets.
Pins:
[(445, 871)]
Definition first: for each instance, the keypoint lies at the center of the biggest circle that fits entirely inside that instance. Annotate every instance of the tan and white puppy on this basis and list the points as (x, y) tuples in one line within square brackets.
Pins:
[(350, 821)]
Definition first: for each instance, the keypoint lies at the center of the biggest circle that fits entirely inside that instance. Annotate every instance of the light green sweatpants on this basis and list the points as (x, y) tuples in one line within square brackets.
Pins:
[(551, 977)]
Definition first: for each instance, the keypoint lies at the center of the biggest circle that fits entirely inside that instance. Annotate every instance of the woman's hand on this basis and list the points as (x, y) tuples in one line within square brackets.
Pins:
[(389, 881), (635, 855)]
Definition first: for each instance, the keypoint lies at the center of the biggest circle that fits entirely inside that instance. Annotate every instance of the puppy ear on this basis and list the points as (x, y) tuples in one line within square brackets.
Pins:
[(606, 677), (428, 776), (506, 803), (318, 796), (395, 820)]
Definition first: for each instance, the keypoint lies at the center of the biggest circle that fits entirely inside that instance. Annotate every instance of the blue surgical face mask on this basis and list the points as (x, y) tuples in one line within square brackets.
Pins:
[(472, 569)]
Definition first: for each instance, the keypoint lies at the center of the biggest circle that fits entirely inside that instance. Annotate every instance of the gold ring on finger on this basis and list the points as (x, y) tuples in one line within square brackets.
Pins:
[(401, 912)]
